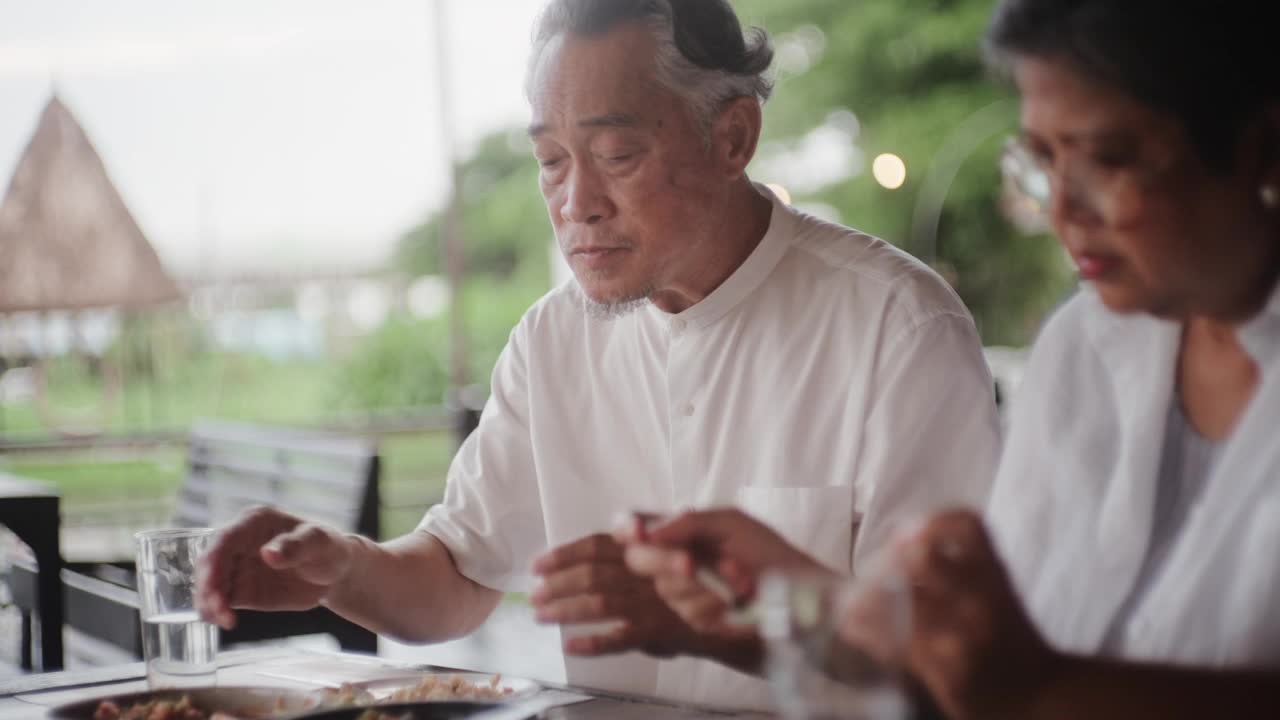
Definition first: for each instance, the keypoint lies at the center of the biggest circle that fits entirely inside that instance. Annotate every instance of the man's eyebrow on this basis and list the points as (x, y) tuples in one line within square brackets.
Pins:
[(611, 120)]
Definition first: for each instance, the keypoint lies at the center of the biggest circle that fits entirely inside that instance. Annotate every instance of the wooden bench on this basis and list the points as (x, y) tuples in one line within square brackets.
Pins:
[(328, 478)]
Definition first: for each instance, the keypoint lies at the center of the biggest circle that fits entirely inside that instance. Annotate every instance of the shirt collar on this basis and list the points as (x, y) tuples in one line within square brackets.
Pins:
[(1260, 336), (749, 275)]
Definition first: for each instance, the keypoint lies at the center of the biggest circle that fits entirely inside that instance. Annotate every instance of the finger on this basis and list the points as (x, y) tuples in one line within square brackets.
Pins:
[(916, 563), (313, 554), (691, 527), (593, 548), (939, 614), (953, 550), (958, 536), (301, 545), (877, 620), (592, 607), (620, 639), (678, 588), (242, 537), (217, 567), (627, 528), (741, 578), (654, 561), (633, 527), (210, 602), (704, 612), (582, 579)]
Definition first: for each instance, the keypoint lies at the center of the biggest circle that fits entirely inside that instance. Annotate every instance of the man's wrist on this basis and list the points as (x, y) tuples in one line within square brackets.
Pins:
[(339, 591)]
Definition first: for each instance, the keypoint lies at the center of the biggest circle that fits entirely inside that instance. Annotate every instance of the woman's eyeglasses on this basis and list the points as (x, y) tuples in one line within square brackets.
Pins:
[(1090, 191)]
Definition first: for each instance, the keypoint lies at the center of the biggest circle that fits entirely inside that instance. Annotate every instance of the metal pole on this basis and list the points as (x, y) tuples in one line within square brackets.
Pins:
[(451, 241)]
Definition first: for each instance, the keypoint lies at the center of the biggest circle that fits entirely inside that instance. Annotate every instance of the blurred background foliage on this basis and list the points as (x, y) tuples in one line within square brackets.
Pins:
[(911, 72)]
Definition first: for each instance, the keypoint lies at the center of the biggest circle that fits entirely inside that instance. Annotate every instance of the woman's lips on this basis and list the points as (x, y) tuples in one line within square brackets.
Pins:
[(1093, 266)]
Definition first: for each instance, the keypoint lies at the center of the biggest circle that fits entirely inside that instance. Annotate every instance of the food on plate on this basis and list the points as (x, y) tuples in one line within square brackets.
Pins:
[(345, 695), (452, 687), (159, 709), (207, 705), (431, 687)]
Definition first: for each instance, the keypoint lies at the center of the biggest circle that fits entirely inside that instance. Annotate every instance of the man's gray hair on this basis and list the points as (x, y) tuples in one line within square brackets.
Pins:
[(703, 55)]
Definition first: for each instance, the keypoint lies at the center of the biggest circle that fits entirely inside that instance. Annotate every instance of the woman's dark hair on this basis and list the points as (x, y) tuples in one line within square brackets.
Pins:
[(1211, 64)]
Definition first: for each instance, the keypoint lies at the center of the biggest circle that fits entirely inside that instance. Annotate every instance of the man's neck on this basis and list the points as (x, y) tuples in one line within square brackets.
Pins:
[(740, 226)]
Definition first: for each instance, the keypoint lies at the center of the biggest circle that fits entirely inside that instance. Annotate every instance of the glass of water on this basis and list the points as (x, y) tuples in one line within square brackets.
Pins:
[(179, 648), (835, 645)]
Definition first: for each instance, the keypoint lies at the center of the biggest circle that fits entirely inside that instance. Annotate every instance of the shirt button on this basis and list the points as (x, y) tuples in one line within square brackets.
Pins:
[(678, 325), (686, 409)]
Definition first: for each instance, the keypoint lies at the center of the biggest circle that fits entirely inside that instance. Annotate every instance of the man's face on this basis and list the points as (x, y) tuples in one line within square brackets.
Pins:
[(625, 171)]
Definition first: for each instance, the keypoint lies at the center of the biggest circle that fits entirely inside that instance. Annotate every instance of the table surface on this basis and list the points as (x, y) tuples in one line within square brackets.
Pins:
[(29, 697)]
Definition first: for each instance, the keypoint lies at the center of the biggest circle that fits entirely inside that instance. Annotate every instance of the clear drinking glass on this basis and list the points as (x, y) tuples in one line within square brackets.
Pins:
[(834, 645), (179, 648)]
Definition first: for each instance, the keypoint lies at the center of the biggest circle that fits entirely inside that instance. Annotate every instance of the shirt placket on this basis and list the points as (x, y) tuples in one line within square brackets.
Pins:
[(683, 411), (679, 678)]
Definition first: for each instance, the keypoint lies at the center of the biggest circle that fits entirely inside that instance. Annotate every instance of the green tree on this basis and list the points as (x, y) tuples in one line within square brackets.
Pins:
[(508, 243), (911, 72), (504, 222)]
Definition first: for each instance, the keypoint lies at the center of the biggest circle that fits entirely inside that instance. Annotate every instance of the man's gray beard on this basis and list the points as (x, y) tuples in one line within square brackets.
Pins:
[(613, 309)]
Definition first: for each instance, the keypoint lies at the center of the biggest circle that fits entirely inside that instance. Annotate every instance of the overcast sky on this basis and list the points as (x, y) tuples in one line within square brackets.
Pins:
[(253, 133)]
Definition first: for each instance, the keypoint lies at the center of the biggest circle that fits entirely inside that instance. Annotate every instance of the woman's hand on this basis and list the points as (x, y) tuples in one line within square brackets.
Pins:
[(972, 644)]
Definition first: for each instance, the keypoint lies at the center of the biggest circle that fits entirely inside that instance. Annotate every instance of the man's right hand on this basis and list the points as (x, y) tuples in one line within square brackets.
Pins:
[(736, 546), (269, 560)]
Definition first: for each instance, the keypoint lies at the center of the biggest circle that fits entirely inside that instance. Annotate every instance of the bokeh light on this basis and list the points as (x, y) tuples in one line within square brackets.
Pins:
[(889, 170)]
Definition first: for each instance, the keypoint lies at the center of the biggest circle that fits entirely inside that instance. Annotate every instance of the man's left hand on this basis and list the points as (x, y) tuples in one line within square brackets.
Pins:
[(587, 581)]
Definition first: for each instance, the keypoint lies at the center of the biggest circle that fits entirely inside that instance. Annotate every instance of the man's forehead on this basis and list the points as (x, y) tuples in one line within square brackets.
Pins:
[(594, 82)]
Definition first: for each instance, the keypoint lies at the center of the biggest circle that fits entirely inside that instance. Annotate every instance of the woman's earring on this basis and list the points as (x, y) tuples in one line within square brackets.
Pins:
[(1270, 196)]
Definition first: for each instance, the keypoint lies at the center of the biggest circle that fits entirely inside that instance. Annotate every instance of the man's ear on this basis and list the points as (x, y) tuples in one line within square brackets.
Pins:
[(735, 134)]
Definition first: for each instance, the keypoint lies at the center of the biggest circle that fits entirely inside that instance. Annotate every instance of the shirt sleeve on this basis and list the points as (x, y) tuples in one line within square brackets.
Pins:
[(932, 439), (491, 517)]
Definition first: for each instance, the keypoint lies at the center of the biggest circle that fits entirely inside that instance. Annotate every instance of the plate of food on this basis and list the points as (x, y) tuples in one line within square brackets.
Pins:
[(433, 710), (215, 703), (429, 687)]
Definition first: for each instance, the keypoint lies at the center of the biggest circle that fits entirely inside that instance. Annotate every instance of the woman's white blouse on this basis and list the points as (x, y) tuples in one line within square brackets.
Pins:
[(1073, 505)]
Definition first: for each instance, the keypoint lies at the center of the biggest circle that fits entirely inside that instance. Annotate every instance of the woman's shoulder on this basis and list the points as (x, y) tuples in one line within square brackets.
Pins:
[(1071, 376), (1067, 339), (1082, 328)]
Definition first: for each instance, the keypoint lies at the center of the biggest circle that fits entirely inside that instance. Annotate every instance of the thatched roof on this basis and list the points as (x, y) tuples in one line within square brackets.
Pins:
[(67, 241)]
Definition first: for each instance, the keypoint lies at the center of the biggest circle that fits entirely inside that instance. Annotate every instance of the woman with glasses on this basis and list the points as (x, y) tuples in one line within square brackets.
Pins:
[(1128, 564)]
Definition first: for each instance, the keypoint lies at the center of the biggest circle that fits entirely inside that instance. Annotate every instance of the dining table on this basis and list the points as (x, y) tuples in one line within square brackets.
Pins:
[(32, 696)]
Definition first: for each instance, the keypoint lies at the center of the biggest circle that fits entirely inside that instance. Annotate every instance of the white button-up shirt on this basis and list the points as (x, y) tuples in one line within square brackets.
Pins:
[(1073, 506), (831, 386)]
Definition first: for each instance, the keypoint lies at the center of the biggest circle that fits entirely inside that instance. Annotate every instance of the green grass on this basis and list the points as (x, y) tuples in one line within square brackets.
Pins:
[(414, 468), (221, 385), (227, 386), (85, 477)]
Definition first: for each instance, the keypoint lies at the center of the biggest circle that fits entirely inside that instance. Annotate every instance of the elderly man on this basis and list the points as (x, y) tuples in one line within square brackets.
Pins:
[(717, 347)]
